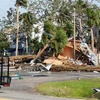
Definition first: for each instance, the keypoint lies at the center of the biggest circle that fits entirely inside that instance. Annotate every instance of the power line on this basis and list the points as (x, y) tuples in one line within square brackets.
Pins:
[(3, 12), (12, 0)]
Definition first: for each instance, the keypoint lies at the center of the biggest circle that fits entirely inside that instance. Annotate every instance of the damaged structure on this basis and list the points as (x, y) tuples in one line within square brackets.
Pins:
[(83, 53), (83, 56)]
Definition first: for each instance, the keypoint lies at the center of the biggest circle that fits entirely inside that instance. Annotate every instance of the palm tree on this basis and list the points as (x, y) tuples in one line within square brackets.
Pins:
[(27, 20), (22, 3)]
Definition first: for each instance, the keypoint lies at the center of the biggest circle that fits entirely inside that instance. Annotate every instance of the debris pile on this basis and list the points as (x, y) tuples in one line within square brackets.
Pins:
[(83, 57), (83, 54), (89, 53)]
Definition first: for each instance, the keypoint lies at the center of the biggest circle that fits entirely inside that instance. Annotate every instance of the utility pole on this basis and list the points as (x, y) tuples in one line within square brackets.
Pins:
[(17, 22), (74, 46)]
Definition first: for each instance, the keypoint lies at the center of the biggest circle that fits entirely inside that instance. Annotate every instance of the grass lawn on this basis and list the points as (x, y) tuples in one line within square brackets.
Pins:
[(70, 89)]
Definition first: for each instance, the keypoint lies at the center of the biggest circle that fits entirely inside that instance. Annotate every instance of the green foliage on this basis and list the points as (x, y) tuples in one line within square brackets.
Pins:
[(35, 45), (4, 44), (81, 6), (45, 38), (69, 28), (91, 17), (49, 27), (56, 35), (9, 21), (27, 20), (59, 40), (97, 17), (36, 30), (21, 3)]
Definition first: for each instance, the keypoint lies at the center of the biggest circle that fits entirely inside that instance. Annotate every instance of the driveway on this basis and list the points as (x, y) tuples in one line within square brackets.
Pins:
[(24, 89)]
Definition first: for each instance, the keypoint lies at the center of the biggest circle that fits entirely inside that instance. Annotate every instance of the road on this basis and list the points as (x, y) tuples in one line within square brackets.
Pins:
[(24, 89)]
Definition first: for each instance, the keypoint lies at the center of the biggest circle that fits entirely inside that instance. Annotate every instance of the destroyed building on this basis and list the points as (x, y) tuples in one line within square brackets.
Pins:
[(82, 52)]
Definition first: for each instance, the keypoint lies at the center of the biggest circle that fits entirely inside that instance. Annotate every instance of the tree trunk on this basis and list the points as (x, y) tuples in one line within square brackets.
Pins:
[(26, 45), (92, 39), (17, 22), (41, 51)]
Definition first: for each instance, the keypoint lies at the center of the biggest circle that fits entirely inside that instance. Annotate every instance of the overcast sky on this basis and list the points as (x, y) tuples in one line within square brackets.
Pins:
[(5, 5)]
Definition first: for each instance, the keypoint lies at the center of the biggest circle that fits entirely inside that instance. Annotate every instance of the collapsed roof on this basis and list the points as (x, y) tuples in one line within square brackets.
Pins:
[(83, 52)]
